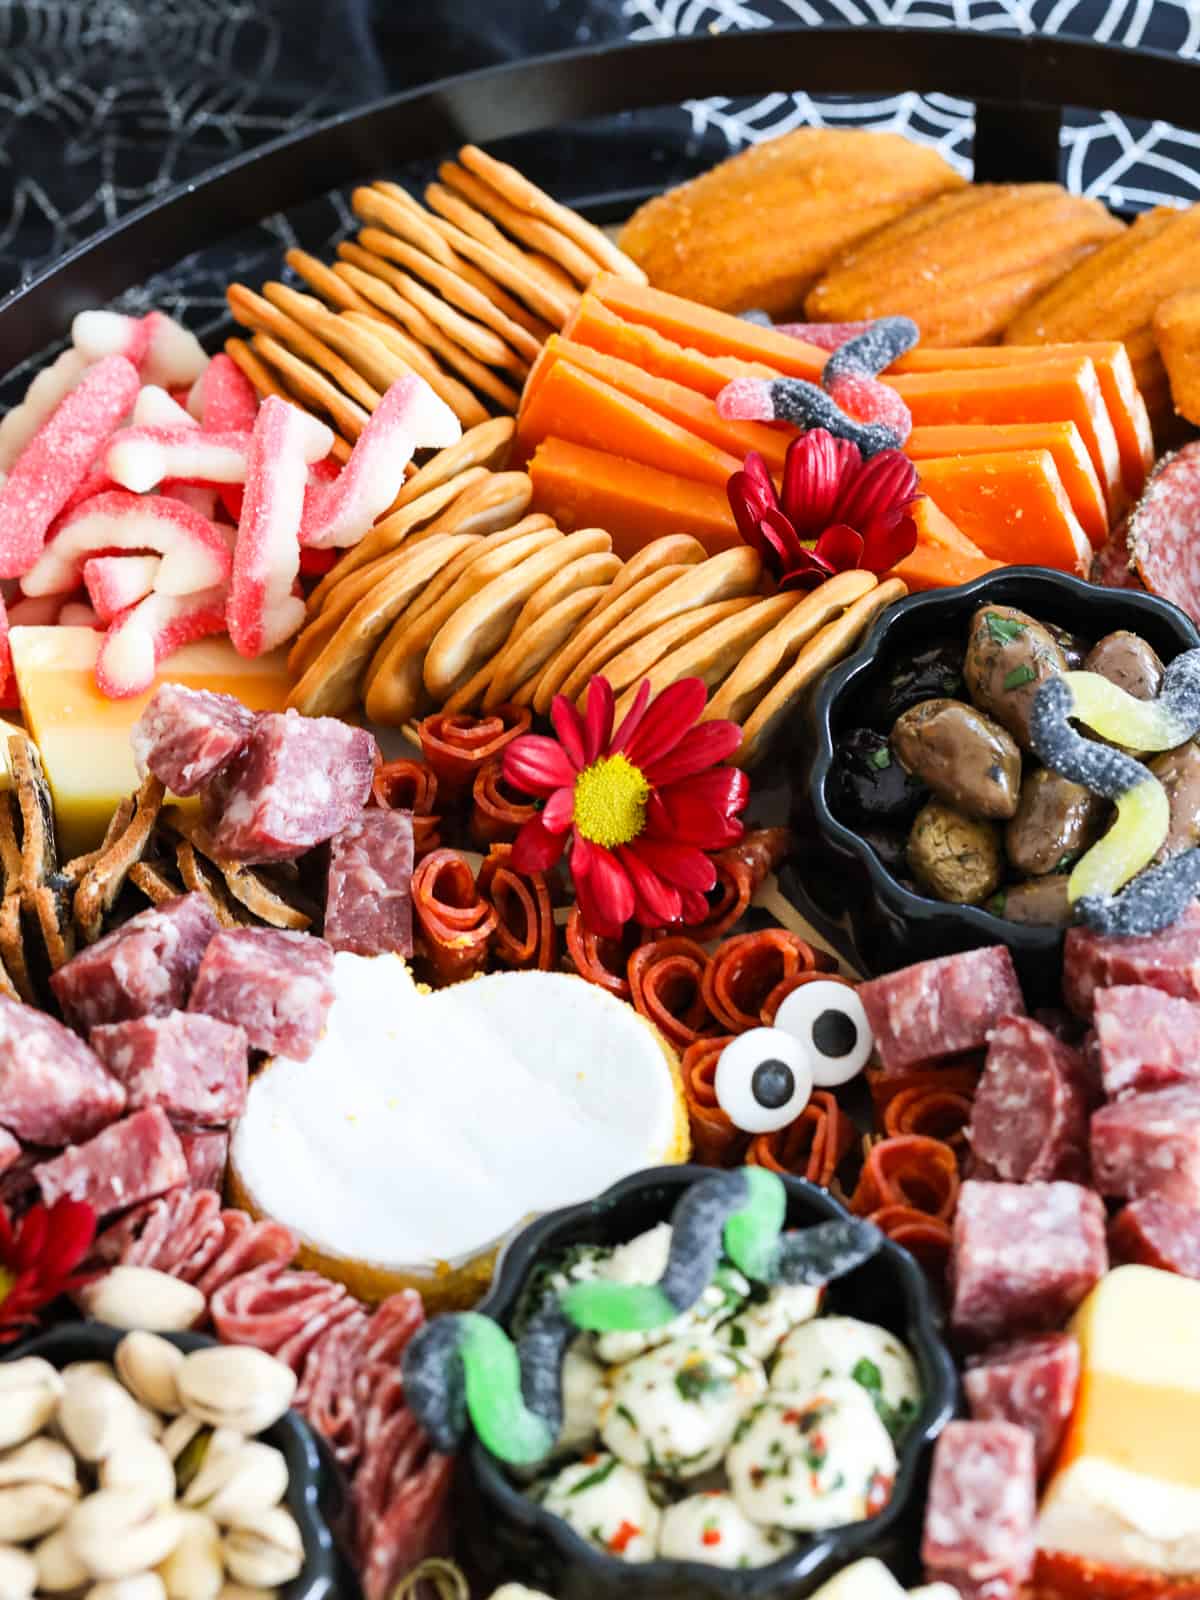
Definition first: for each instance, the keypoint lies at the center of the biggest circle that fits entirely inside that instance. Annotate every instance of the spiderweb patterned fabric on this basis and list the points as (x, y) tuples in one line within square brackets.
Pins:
[(105, 104)]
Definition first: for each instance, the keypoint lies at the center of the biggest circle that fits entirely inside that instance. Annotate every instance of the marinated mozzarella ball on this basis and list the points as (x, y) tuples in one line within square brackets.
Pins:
[(819, 1460), (675, 1409), (582, 1390), (643, 1260), (608, 1504), (844, 1347), (761, 1325), (714, 1529)]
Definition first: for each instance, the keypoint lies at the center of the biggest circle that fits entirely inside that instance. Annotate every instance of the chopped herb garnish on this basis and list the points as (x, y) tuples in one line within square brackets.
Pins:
[(1003, 629), (593, 1478), (997, 903), (626, 1415), (1064, 861), (868, 1375), (1019, 676), (881, 758), (737, 1335), (814, 1459), (698, 1379)]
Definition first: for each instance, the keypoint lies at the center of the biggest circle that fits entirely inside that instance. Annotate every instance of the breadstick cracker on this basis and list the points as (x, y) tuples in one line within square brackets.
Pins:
[(627, 669), (538, 235), (467, 407), (508, 268), (332, 289), (253, 311)]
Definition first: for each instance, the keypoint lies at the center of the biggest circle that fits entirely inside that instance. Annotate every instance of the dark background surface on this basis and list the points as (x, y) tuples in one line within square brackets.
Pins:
[(106, 103)]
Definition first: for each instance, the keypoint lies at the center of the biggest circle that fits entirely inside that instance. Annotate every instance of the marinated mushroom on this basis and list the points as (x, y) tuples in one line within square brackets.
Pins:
[(1055, 821), (872, 784), (1127, 661), (1009, 655), (968, 760), (1179, 773), (1038, 902), (956, 858)]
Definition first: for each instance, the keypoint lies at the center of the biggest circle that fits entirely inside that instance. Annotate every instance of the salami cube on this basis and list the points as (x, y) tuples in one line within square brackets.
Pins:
[(1168, 960), (129, 1162), (1149, 1144), (299, 781), (194, 1067), (144, 968), (10, 1150), (53, 1088), (185, 737), (1157, 1233), (1146, 1039), (1023, 1256), (941, 1008), (1032, 1383), (1029, 1119), (278, 986), (368, 907), (206, 1153), (980, 1514)]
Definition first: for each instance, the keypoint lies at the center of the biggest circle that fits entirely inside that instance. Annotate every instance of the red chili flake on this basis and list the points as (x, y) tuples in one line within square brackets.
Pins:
[(589, 1460), (793, 1416), (625, 1534), (757, 1474), (710, 1536)]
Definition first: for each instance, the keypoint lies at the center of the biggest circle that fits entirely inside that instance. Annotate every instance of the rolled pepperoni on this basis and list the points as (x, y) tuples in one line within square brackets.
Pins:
[(715, 1140), (747, 969), (959, 1077), (456, 745), (525, 932), (741, 871), (930, 1112), (601, 961), (456, 922), (911, 1171), (667, 984), (497, 813), (410, 786), (924, 1237), (812, 1147), (771, 1005)]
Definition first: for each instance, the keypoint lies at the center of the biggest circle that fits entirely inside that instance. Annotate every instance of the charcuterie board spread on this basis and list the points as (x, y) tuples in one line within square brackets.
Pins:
[(436, 1157)]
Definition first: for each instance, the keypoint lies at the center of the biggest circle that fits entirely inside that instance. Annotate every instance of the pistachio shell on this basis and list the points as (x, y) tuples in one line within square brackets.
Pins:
[(145, 1586), (30, 1390), (235, 1483), (18, 1573), (265, 1549), (29, 1510), (139, 1463), (195, 1569), (244, 1591), (148, 1366), (96, 1413), (140, 1297), (234, 1386), (59, 1569), (39, 1461), (117, 1533)]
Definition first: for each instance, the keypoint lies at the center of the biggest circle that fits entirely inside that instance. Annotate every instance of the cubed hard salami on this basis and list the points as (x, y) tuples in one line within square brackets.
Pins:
[(299, 781), (1158, 1233), (1023, 1256), (941, 1008), (185, 737), (10, 1150), (277, 986), (1149, 1144), (979, 1518), (195, 1067), (1169, 961), (206, 1153), (1146, 1039), (53, 1088), (1029, 1119), (368, 908), (144, 968), (1031, 1383), (131, 1161)]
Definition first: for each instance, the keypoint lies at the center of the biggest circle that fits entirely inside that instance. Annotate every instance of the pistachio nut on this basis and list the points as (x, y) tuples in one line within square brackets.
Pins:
[(18, 1574), (145, 1586), (136, 1462), (117, 1533), (88, 1369), (195, 1569), (147, 1366), (39, 1461), (234, 1483), (30, 1390), (201, 1452), (37, 1489), (140, 1297), (265, 1549), (96, 1413), (59, 1569), (235, 1386)]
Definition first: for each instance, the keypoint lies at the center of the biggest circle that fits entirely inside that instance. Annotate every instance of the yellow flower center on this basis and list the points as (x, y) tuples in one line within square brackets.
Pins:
[(610, 801), (7, 1279)]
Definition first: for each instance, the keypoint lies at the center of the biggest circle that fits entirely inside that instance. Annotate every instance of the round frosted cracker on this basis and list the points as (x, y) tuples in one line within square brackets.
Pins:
[(713, 653), (312, 388), (527, 650), (491, 503), (753, 676), (475, 238), (538, 235), (480, 626), (726, 576), (330, 685), (253, 311), (370, 357), (627, 669), (486, 445), (830, 645), (466, 405), (325, 281)]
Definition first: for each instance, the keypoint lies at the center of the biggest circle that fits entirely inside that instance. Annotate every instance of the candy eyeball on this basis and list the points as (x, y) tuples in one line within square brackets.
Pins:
[(830, 1021), (763, 1080)]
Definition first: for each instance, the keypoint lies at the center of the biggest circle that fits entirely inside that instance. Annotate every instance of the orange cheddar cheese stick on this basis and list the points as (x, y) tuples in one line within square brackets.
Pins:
[(582, 488), (594, 324), (1062, 439), (1012, 505), (574, 405), (943, 555)]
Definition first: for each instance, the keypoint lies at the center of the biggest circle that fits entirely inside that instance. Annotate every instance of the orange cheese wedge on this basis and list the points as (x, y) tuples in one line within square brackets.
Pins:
[(943, 554), (594, 324), (1062, 439), (1012, 505)]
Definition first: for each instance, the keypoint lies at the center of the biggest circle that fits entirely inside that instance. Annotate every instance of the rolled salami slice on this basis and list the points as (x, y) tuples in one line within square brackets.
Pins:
[(456, 923), (742, 869), (401, 1501), (601, 961), (1029, 1122), (1158, 1233), (925, 1237), (526, 935), (813, 1146), (497, 813), (715, 1140), (979, 1517), (941, 1008), (410, 786), (1145, 1039), (747, 970), (666, 986), (930, 1112), (325, 1395), (277, 1310), (457, 745), (920, 1174), (1168, 960), (1031, 1383)]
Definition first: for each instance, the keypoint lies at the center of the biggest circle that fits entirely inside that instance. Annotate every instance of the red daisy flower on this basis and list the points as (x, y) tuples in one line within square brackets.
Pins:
[(640, 806), (38, 1258), (835, 511)]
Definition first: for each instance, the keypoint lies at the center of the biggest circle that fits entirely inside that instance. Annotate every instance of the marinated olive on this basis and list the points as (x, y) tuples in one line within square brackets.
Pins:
[(1129, 662), (932, 674), (968, 760), (1179, 773), (1055, 821), (1008, 656), (1074, 648), (954, 857), (1040, 901), (869, 782)]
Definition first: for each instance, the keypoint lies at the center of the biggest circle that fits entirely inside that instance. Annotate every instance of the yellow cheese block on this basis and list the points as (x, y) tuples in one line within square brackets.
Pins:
[(84, 738), (1126, 1488)]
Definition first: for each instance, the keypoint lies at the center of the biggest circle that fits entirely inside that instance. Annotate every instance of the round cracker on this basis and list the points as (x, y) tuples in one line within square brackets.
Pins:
[(496, 501), (486, 445), (526, 651), (321, 277), (833, 642), (533, 231), (597, 569), (752, 678), (631, 665), (253, 311), (312, 388)]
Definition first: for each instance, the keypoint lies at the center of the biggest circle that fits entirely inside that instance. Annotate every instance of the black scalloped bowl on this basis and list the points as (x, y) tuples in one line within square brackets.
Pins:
[(314, 1493), (894, 926), (503, 1534)]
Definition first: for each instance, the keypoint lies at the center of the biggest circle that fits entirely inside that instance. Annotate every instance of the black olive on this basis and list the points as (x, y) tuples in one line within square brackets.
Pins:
[(869, 783), (932, 674), (891, 846), (1072, 646)]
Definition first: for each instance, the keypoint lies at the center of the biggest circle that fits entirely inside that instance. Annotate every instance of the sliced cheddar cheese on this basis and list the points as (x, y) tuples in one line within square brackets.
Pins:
[(943, 555), (594, 324), (1012, 505)]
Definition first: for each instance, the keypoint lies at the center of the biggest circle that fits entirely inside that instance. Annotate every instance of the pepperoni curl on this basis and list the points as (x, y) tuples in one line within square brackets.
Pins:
[(497, 814), (741, 871), (456, 922), (911, 1171), (525, 932), (667, 981), (410, 786), (457, 745), (925, 1237), (715, 1140), (813, 1146), (601, 961), (747, 969)]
